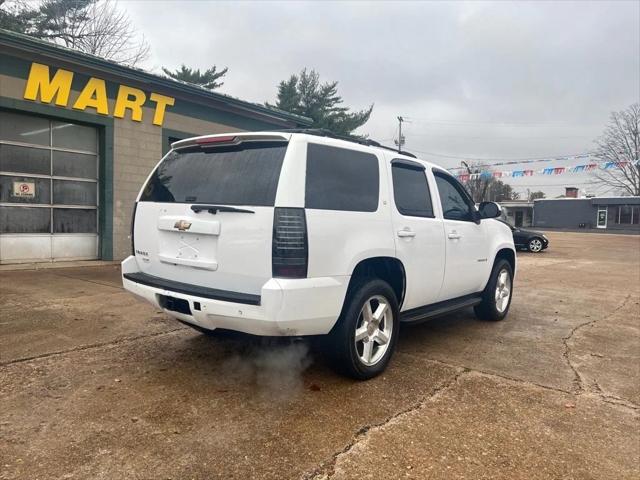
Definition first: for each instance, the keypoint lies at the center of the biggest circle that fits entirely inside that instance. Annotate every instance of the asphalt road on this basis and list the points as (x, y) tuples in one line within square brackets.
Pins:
[(94, 384)]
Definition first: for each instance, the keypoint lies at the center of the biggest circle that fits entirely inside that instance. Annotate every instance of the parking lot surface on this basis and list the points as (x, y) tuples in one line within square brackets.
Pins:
[(95, 384)]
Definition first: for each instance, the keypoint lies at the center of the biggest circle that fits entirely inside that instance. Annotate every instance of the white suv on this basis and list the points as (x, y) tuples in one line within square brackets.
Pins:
[(296, 233)]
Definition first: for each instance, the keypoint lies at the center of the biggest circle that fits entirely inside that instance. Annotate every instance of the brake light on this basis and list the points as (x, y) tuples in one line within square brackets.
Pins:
[(207, 140), (289, 249)]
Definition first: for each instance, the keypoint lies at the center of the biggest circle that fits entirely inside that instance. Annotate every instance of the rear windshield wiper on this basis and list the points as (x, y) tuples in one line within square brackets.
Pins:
[(218, 208)]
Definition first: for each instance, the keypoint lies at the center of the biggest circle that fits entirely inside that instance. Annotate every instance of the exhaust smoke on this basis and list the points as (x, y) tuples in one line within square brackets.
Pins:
[(275, 368)]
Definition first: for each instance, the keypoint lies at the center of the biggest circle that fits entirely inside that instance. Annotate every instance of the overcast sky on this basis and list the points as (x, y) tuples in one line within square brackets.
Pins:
[(476, 80)]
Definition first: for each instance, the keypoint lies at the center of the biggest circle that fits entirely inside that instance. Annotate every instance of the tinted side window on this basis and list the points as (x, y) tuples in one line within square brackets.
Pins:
[(411, 191), (341, 179), (454, 202)]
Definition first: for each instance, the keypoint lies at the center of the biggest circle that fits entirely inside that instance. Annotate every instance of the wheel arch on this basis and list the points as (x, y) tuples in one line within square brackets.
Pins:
[(507, 254), (389, 269)]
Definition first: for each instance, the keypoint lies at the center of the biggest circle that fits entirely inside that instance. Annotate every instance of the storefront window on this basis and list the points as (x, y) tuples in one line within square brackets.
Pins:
[(624, 214), (627, 215)]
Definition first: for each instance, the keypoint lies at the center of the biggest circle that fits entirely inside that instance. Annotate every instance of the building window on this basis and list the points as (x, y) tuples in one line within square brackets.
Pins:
[(627, 215), (48, 176)]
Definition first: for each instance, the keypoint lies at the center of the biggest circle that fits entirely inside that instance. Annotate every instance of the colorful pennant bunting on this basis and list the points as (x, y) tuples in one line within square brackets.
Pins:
[(587, 167)]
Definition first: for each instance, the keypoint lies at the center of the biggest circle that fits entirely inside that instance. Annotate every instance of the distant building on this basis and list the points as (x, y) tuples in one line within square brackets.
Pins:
[(572, 213), (571, 192), (518, 212), (606, 213)]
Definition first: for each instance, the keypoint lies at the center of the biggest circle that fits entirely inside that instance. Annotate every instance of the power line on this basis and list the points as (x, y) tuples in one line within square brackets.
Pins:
[(541, 158), (499, 137), (482, 122), (540, 185)]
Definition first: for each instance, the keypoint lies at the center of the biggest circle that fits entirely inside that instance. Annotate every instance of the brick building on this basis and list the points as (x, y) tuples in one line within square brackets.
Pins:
[(78, 137)]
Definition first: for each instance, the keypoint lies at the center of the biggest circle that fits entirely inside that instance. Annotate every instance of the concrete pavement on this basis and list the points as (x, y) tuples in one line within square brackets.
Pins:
[(94, 384)]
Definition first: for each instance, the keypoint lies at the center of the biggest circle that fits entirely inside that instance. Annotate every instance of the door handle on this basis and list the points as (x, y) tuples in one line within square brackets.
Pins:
[(454, 236), (406, 233)]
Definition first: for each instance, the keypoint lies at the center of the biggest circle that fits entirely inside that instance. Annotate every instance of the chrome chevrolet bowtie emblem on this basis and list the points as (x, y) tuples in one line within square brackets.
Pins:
[(182, 225)]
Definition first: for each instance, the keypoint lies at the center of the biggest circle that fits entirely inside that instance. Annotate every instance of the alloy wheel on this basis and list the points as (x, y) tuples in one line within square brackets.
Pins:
[(535, 245), (373, 330), (503, 290)]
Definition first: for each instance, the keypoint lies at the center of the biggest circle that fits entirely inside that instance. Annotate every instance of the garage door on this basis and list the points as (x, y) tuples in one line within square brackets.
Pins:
[(48, 189)]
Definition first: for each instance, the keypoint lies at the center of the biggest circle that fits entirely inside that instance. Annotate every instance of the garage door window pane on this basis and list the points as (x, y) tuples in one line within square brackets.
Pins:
[(79, 165), (11, 191), (25, 220), (68, 192), (24, 159), (74, 220), (75, 137), (24, 128)]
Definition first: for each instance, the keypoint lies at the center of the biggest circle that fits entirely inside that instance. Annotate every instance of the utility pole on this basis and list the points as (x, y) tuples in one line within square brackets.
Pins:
[(400, 141)]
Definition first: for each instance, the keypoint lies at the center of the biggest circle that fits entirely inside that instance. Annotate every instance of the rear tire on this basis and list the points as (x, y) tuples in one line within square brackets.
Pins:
[(496, 298), (363, 340)]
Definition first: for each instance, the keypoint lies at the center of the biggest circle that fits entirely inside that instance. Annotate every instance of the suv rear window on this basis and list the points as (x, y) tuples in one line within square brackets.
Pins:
[(244, 174), (341, 179)]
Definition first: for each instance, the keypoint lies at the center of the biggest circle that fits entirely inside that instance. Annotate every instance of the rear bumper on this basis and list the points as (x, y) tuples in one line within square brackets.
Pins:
[(285, 307)]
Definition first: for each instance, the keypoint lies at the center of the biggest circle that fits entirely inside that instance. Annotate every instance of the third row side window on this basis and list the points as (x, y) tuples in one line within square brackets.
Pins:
[(341, 179)]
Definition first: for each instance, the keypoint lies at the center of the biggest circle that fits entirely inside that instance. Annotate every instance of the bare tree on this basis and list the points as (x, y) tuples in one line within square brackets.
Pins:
[(619, 146), (109, 33), (483, 187), (98, 27), (531, 196)]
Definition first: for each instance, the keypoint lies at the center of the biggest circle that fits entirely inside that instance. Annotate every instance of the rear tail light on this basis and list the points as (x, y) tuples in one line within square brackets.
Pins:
[(290, 249)]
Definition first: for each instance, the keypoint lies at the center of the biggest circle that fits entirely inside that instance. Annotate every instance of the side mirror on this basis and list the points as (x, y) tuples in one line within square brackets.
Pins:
[(490, 210)]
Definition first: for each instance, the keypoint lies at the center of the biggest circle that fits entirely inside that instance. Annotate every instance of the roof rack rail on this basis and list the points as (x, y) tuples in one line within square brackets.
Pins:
[(322, 132)]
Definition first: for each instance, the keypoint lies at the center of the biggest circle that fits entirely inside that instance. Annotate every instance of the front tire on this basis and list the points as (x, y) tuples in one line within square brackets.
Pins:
[(535, 245), (496, 298), (363, 340)]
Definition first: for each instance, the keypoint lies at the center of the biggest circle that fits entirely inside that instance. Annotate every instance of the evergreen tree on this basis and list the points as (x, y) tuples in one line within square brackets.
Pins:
[(206, 79), (305, 95)]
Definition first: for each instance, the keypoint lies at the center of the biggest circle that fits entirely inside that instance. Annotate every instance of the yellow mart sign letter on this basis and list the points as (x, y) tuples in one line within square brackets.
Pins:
[(56, 89)]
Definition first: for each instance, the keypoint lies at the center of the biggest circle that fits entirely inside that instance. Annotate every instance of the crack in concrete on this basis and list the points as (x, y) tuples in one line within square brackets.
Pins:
[(327, 468), (494, 374), (89, 347), (601, 394), (578, 381), (613, 399), (70, 277)]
